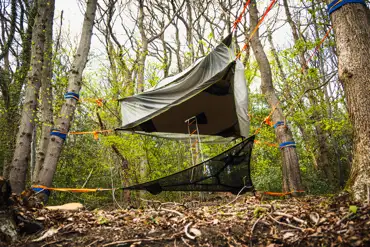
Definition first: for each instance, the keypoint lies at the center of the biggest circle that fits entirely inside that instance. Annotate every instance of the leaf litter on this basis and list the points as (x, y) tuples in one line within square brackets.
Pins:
[(248, 221)]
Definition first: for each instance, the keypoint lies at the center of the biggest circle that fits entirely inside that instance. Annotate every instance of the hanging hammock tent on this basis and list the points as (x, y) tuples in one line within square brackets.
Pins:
[(213, 89), (226, 172)]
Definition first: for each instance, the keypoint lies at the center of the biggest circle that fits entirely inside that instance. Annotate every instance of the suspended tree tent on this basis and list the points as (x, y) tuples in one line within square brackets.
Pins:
[(213, 89), (214, 92)]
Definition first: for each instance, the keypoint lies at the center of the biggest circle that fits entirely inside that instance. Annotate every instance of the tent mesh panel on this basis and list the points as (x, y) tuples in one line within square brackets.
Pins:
[(226, 172)]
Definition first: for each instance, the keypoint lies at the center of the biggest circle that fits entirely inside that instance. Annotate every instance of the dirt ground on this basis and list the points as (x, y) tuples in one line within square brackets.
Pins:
[(243, 221)]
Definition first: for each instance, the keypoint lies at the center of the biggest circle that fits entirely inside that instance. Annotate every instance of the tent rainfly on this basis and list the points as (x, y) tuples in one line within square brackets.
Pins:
[(213, 90)]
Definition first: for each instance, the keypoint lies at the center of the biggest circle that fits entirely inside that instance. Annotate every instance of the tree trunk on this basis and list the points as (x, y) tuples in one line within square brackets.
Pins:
[(352, 32), (189, 58), (46, 93), (295, 32), (323, 149), (144, 49), (178, 48), (165, 60), (18, 172), (63, 123), (15, 89), (291, 172)]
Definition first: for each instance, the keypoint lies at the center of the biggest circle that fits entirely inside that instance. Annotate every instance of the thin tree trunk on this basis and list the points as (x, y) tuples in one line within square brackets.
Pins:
[(144, 49), (295, 32), (63, 123), (276, 56), (13, 90), (291, 172), (323, 150), (189, 59), (166, 65), (46, 93), (178, 48), (352, 32), (21, 156)]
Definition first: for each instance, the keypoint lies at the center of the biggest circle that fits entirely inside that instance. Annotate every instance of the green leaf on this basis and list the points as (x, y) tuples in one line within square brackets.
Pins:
[(353, 209)]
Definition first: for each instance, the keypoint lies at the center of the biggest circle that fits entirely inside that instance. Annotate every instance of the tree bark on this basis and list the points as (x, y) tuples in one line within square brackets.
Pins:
[(291, 171), (46, 93), (189, 59), (63, 123), (352, 32), (144, 49), (295, 32), (323, 149), (13, 90), (178, 48), (18, 172), (15, 87)]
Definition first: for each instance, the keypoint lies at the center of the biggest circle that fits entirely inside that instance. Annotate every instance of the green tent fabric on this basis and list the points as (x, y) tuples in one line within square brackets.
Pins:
[(213, 89)]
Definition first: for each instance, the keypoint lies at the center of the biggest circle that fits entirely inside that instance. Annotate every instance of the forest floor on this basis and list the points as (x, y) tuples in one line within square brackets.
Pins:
[(243, 221)]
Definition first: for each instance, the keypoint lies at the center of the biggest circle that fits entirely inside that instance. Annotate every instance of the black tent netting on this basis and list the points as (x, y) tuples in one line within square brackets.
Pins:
[(226, 172)]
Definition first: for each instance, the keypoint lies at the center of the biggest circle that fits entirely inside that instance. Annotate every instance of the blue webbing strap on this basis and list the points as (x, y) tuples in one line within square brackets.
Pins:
[(72, 95), (41, 190), (279, 123), (289, 144), (336, 4), (58, 134)]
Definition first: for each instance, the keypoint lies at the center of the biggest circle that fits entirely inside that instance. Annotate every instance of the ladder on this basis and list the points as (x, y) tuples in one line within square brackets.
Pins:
[(194, 140)]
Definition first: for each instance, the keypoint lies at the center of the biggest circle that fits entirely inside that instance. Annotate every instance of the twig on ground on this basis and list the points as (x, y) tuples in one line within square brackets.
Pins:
[(172, 211), (344, 218), (285, 224), (93, 242), (174, 203), (254, 225), (186, 230), (151, 201), (186, 243), (236, 198), (291, 216)]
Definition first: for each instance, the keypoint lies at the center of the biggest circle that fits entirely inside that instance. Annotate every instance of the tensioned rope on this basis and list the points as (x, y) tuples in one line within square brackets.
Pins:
[(256, 28), (42, 188), (235, 25), (317, 47), (63, 135)]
